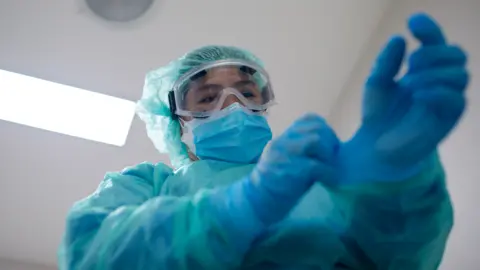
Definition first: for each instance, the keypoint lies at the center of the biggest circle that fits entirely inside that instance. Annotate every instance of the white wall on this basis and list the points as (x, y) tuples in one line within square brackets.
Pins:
[(308, 48), (14, 265), (461, 23)]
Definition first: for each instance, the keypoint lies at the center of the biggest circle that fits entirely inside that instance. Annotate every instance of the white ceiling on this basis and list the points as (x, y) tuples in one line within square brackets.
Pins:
[(309, 47)]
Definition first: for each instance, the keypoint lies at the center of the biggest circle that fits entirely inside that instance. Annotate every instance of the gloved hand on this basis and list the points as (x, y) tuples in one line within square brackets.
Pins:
[(295, 160), (403, 121)]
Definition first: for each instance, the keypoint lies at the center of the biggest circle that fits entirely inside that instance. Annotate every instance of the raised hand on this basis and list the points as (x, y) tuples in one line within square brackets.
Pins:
[(404, 120)]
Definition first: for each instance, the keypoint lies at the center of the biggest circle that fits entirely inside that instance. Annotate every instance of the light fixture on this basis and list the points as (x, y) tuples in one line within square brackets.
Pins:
[(119, 10), (64, 109)]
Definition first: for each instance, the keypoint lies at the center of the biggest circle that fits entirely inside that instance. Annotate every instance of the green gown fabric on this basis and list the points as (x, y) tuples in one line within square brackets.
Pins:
[(149, 217)]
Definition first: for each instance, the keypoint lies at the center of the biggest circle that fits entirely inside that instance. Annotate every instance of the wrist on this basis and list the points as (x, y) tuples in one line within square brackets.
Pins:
[(270, 205), (235, 212), (358, 162)]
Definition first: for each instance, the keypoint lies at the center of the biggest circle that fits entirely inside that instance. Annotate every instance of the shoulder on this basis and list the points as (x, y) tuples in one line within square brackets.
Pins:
[(145, 171)]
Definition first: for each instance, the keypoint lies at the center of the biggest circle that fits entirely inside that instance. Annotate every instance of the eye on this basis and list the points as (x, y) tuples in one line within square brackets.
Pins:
[(207, 100), (248, 94)]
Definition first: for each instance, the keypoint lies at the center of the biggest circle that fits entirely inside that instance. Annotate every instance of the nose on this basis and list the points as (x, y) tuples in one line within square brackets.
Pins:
[(230, 100)]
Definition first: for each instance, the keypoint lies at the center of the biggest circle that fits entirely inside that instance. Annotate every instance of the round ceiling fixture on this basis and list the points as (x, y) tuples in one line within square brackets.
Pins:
[(119, 10)]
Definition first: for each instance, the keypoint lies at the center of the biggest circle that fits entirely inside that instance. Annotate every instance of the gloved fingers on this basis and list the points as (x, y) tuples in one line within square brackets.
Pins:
[(326, 174), (415, 135), (315, 170), (445, 103), (433, 115), (291, 140), (388, 64), (323, 147), (426, 30), (436, 56), (322, 142), (311, 136), (331, 143), (308, 123), (292, 178), (311, 144), (454, 77)]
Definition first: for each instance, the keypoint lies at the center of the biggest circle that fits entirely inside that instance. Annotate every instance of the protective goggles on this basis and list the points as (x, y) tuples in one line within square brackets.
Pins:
[(204, 90)]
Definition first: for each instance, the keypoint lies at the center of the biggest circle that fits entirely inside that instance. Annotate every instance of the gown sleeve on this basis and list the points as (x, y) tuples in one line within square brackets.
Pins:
[(125, 225), (402, 225)]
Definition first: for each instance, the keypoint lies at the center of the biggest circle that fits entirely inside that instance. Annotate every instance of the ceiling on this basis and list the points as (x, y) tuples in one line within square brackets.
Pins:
[(309, 47)]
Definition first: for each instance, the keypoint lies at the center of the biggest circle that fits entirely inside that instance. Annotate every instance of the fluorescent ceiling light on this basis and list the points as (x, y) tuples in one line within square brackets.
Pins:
[(64, 109)]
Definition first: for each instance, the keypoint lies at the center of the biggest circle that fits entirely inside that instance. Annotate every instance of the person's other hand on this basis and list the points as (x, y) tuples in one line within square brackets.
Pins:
[(295, 160), (403, 121)]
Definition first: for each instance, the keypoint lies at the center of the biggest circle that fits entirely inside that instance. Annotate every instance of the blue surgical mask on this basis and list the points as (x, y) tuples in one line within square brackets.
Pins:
[(234, 134)]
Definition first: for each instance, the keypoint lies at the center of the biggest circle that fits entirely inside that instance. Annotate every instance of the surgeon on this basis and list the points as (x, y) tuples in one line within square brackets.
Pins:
[(376, 201)]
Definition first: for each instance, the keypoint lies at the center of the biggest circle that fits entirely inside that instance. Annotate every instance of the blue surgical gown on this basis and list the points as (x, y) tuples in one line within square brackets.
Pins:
[(149, 217)]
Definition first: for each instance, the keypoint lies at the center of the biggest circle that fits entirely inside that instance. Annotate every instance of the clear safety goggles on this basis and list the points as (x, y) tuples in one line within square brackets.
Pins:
[(209, 88)]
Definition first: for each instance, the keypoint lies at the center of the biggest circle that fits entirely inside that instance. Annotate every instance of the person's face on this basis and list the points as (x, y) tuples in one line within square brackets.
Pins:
[(204, 92)]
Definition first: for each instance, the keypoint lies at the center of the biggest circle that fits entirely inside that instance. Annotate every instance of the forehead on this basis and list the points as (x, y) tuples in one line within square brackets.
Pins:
[(223, 75)]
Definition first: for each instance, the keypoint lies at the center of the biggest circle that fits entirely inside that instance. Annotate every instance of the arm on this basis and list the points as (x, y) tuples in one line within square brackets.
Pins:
[(401, 218), (124, 226), (402, 225)]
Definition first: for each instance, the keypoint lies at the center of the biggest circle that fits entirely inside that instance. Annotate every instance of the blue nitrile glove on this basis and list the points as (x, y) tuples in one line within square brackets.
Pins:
[(404, 120), (295, 160)]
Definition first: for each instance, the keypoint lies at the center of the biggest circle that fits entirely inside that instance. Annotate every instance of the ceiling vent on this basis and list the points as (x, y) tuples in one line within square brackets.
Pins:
[(119, 10)]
